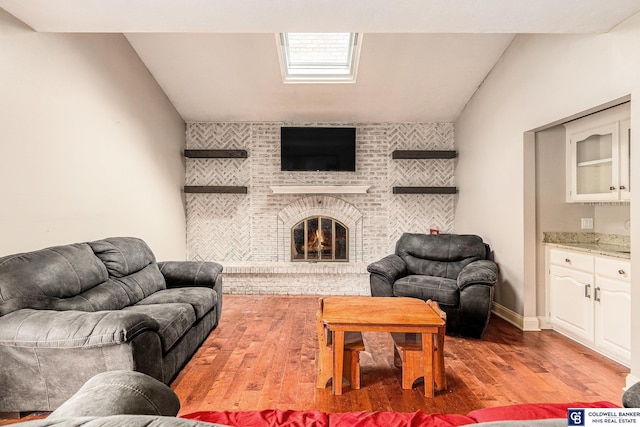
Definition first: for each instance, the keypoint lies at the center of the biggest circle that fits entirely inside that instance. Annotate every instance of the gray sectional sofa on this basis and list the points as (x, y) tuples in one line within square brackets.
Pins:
[(70, 312)]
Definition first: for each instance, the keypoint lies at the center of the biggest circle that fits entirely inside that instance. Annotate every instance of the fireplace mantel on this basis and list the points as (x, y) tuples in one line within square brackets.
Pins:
[(319, 189)]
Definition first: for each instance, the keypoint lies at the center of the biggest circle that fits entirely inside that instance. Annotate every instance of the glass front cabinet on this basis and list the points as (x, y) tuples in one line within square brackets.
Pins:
[(598, 156)]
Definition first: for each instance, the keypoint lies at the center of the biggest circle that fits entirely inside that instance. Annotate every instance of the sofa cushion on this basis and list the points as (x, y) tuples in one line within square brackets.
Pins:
[(174, 319), (110, 295), (142, 283), (123, 255), (314, 418), (40, 279), (203, 300), (440, 289)]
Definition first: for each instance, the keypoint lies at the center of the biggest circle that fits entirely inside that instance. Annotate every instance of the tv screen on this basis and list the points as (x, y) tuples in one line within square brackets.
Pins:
[(318, 149)]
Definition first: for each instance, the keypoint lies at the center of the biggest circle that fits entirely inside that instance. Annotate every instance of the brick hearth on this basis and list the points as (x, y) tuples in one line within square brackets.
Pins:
[(295, 278)]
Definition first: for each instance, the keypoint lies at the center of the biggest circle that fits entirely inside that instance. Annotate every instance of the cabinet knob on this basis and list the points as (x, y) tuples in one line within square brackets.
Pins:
[(567, 260), (620, 271), (622, 187), (612, 188)]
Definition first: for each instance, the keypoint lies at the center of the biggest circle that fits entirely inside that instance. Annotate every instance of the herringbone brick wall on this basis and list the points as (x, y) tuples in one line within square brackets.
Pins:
[(245, 227)]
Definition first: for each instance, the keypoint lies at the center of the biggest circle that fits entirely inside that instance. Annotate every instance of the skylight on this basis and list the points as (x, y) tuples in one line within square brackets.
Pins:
[(319, 57)]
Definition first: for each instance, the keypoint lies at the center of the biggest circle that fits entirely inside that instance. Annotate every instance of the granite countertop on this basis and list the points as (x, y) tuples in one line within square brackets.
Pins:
[(596, 243)]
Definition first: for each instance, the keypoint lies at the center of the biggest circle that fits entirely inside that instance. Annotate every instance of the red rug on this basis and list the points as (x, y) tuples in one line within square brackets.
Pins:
[(289, 418)]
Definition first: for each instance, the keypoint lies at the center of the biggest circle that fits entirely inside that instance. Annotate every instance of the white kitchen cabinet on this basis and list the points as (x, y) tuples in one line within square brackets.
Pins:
[(571, 285), (590, 301), (625, 160), (575, 318), (598, 157), (612, 301)]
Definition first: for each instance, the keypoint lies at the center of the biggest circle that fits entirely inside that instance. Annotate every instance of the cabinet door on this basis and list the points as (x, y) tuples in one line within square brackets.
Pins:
[(625, 160), (571, 310), (613, 318), (593, 164)]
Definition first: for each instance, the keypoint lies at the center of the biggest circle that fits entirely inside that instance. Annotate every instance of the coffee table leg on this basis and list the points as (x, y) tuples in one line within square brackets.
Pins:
[(338, 362), (438, 360), (427, 356)]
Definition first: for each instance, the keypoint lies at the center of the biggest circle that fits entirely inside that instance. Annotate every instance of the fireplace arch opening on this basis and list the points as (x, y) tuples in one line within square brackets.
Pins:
[(320, 239)]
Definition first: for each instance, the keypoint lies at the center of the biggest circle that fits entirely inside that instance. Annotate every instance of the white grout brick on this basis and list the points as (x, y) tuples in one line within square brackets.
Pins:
[(254, 228)]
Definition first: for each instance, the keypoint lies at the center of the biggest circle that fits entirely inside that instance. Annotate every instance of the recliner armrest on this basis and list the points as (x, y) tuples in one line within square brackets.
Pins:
[(481, 272), (391, 267), (181, 274)]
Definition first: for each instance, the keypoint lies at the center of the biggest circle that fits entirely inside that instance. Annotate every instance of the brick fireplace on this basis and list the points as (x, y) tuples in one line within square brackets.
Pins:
[(251, 234), (320, 206)]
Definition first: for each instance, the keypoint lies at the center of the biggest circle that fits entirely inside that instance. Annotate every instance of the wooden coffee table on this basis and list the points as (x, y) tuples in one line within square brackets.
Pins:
[(380, 314)]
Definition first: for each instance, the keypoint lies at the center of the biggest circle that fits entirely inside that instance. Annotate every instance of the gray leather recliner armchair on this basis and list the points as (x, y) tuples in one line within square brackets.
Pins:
[(454, 270)]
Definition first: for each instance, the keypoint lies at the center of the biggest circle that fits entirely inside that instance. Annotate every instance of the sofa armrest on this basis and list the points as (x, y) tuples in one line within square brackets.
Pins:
[(183, 274), (72, 329), (631, 397), (481, 272), (391, 267), (119, 393)]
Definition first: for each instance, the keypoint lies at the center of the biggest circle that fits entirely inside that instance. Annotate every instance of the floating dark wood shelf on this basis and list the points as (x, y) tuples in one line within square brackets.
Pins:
[(424, 154), (215, 189), (425, 190), (216, 154)]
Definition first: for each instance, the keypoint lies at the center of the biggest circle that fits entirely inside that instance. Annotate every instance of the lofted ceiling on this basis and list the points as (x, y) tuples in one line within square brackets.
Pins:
[(421, 60)]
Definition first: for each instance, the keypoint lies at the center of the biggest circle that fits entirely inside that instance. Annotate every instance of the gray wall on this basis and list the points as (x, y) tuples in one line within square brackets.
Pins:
[(90, 146), (540, 79)]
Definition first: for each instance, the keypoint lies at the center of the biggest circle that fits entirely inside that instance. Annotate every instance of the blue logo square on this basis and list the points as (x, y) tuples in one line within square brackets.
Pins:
[(575, 417)]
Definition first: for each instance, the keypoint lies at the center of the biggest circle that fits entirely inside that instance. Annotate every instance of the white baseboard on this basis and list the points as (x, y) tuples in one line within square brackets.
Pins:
[(519, 321)]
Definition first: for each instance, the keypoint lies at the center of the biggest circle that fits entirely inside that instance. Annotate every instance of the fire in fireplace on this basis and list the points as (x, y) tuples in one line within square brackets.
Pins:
[(319, 238)]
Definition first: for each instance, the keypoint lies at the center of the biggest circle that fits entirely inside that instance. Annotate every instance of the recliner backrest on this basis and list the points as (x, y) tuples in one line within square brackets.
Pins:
[(441, 255)]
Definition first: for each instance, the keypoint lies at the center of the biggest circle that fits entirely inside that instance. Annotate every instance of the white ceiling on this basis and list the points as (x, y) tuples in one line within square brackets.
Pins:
[(421, 60)]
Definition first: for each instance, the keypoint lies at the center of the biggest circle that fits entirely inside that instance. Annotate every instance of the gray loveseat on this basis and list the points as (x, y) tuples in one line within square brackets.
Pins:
[(453, 269), (70, 312)]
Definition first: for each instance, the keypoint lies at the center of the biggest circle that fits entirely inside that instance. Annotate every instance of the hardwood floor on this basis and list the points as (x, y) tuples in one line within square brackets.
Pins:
[(262, 356)]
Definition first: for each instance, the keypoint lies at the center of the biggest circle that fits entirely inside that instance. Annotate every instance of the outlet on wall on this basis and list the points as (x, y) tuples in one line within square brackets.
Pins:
[(586, 223)]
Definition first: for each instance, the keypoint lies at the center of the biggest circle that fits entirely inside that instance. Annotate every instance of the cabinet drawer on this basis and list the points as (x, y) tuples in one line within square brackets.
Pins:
[(570, 259), (613, 268)]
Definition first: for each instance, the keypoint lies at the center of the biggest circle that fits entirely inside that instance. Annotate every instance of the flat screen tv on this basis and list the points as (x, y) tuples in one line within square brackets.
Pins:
[(318, 149)]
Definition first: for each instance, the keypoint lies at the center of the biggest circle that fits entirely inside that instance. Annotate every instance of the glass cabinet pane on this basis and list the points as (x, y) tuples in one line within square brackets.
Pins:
[(594, 160)]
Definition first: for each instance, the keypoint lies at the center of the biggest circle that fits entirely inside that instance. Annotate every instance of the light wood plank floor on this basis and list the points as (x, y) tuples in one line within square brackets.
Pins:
[(262, 355)]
